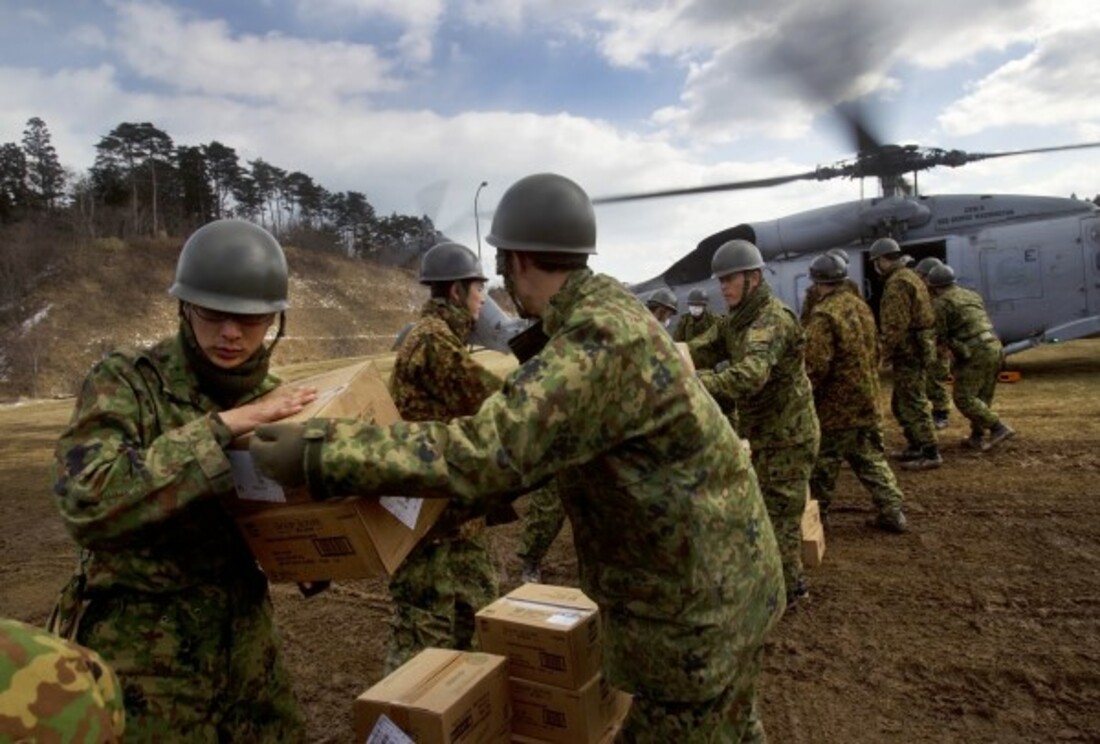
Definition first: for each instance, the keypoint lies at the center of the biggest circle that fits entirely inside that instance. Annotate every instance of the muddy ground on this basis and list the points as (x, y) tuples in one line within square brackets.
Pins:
[(981, 624)]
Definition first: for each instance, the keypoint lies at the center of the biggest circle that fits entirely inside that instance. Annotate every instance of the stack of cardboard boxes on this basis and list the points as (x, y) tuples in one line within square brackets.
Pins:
[(536, 679), (552, 639)]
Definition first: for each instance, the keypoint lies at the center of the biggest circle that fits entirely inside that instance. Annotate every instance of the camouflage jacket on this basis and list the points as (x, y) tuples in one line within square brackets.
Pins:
[(671, 535), (842, 361), (962, 322), (140, 470), (905, 316), (689, 327), (813, 296), (53, 690), (435, 379), (765, 379), (434, 376)]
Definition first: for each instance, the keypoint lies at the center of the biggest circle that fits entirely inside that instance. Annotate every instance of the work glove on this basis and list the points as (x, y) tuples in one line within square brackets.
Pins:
[(280, 452)]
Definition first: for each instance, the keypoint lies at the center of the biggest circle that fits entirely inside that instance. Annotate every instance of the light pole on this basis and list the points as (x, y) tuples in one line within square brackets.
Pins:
[(477, 218)]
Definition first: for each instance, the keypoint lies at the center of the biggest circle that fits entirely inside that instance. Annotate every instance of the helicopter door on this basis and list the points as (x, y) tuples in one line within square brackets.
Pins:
[(1032, 276), (1090, 239)]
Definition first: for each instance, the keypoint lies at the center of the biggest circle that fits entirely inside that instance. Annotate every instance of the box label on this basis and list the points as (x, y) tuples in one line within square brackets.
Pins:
[(407, 510), (387, 732)]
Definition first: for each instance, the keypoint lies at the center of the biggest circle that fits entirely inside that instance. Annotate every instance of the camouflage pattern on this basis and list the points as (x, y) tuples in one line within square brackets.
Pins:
[(175, 602), (436, 592), (963, 325), (813, 296), (907, 324), (672, 538), (842, 364), (54, 690), (689, 327), (765, 381), (542, 522), (937, 386), (449, 576), (733, 716)]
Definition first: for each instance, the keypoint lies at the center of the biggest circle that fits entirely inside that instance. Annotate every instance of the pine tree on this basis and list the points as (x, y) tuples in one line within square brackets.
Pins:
[(45, 176)]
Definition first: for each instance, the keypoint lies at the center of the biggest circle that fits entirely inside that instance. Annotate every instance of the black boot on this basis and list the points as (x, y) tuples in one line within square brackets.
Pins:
[(929, 460)]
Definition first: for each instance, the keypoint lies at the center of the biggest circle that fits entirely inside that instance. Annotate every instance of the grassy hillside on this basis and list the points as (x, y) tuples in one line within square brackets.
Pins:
[(108, 294)]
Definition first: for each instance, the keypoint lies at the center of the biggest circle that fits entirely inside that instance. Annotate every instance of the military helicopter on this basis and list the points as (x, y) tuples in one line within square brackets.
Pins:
[(1034, 259)]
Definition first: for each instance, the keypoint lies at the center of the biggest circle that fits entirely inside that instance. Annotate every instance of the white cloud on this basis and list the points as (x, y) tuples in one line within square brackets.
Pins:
[(203, 56), (419, 18), (89, 36)]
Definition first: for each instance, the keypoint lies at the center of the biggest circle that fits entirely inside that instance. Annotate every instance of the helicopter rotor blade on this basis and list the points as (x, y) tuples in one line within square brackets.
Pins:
[(976, 156), (730, 186)]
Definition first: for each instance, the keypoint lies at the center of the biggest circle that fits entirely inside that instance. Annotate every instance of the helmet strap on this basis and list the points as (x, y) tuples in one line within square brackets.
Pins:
[(504, 268)]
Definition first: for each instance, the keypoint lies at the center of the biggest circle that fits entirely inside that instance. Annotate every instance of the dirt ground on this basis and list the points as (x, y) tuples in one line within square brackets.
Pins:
[(981, 624)]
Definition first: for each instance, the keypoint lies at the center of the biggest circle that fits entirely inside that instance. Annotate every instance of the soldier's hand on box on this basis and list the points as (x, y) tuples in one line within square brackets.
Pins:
[(279, 452)]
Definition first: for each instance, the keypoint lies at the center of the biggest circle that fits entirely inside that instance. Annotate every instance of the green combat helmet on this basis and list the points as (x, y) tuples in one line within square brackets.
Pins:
[(828, 269), (884, 247), (735, 256), (941, 276), (839, 253), (449, 262), (546, 213), (233, 266), (697, 296), (663, 297), (925, 265)]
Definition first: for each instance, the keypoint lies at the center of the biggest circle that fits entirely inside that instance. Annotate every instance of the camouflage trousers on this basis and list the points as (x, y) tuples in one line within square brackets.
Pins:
[(199, 665), (784, 475), (436, 593), (863, 450), (731, 717), (542, 521), (935, 383), (975, 384), (909, 403), (54, 690)]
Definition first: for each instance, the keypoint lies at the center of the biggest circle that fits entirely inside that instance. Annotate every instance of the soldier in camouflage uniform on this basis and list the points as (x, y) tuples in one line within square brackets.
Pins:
[(963, 326), (449, 576), (168, 592), (54, 690), (814, 292), (698, 319), (907, 326), (752, 359), (673, 542), (842, 364), (662, 303), (936, 384)]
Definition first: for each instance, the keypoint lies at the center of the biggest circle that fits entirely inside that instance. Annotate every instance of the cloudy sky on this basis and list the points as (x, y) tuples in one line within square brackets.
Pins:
[(415, 102)]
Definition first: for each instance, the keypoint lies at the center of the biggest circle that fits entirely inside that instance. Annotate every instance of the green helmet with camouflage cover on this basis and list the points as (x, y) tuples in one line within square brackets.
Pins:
[(884, 247), (547, 213), (697, 296), (926, 264), (828, 269), (735, 256), (449, 262), (663, 297), (233, 266), (941, 276)]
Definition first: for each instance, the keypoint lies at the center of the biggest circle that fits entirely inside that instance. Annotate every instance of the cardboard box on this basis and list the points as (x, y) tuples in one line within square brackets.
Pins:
[(550, 634), (813, 535), (296, 539), (555, 714), (620, 708), (440, 696)]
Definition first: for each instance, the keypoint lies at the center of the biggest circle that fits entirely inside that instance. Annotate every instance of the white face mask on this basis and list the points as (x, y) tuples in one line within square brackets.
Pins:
[(695, 310)]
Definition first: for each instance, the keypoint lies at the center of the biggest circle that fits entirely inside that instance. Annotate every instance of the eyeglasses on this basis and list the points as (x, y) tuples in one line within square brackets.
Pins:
[(217, 317)]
